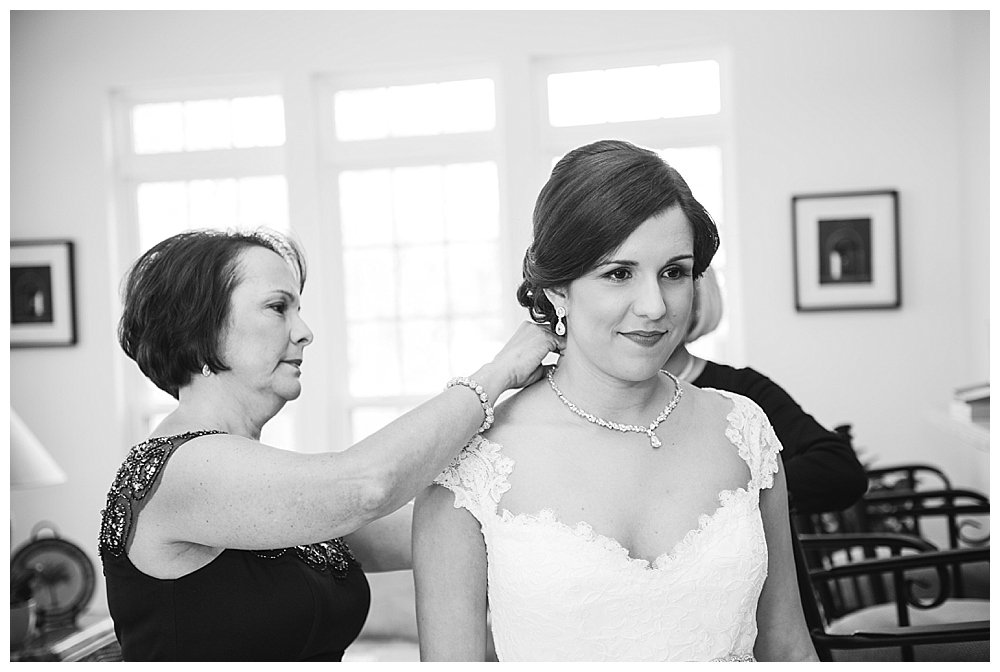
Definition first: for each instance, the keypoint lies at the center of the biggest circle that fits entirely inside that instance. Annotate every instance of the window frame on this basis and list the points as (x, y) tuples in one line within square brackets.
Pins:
[(678, 132), (388, 153), (130, 169)]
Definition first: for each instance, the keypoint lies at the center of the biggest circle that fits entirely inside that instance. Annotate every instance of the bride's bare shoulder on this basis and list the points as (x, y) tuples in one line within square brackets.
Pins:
[(526, 411), (707, 403)]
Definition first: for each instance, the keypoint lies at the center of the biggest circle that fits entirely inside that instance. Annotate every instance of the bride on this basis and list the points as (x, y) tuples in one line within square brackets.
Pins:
[(612, 512)]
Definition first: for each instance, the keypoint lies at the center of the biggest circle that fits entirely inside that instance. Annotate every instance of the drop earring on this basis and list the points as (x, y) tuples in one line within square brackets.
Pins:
[(560, 325), (205, 371)]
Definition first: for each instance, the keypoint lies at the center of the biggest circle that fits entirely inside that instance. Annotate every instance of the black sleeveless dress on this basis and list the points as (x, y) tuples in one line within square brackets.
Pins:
[(292, 604)]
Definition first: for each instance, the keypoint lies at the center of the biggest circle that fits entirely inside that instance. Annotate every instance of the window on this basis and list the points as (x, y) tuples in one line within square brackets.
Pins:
[(665, 102), (412, 162), (640, 93), (198, 159)]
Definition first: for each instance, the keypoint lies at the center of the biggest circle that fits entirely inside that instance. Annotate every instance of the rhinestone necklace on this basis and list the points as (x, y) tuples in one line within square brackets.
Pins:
[(654, 440)]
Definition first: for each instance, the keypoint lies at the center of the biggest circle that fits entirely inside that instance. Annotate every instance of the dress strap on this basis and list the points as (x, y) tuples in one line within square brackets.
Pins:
[(478, 477), (136, 479), (751, 432)]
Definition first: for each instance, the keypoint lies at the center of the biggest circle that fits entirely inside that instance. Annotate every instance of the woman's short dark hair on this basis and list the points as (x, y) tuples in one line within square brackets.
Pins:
[(595, 198), (176, 300)]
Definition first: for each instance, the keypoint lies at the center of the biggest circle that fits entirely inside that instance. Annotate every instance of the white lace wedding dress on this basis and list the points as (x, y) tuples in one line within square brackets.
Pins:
[(566, 593)]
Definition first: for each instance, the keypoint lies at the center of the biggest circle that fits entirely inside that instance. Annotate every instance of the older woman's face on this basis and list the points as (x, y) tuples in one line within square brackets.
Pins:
[(626, 316), (265, 336)]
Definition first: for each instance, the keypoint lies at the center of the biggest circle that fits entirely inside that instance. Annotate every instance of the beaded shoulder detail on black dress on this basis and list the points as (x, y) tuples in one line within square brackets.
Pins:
[(331, 556), (135, 480)]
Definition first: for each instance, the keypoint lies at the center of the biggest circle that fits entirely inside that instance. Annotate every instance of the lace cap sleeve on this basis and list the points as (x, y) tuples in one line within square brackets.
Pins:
[(759, 446), (478, 477)]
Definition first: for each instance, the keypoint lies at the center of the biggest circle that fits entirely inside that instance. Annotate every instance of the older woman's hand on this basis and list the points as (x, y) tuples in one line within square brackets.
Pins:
[(518, 364)]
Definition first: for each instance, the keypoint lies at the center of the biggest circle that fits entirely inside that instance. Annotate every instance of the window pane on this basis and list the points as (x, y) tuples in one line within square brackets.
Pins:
[(366, 420), (370, 283), (473, 278), (158, 128), (366, 207), (423, 265), (163, 211), (471, 201), (693, 89), (207, 125), (415, 110), (474, 342), (167, 208), (418, 204), (634, 94), (373, 351), (196, 125), (425, 356), (466, 106), (576, 98), (213, 204), (423, 290), (361, 114), (701, 168), (258, 121), (263, 201)]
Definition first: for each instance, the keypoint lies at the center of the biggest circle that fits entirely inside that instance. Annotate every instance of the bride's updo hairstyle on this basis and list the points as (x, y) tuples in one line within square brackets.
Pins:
[(595, 198)]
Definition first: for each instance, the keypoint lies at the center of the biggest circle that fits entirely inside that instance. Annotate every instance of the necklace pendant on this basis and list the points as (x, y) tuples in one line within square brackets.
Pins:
[(654, 440)]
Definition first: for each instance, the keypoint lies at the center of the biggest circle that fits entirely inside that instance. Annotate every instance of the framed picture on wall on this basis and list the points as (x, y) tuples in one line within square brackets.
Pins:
[(846, 250), (42, 301)]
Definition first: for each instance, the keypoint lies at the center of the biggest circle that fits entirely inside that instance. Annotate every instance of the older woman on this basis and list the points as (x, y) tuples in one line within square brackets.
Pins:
[(613, 512), (216, 547)]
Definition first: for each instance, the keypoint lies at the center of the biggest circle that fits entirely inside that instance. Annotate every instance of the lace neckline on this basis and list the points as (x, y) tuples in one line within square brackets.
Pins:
[(584, 530)]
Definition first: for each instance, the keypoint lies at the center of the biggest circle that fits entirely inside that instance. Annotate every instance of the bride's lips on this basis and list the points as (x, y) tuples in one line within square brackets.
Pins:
[(644, 338)]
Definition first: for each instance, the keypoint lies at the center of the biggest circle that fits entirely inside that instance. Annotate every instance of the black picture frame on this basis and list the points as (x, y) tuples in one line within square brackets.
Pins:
[(846, 251), (42, 294)]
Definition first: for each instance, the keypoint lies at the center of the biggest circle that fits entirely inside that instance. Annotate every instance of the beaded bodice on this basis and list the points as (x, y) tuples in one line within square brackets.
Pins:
[(137, 478), (561, 592)]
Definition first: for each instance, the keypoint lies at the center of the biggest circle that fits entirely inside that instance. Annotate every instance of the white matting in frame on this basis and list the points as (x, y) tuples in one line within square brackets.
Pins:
[(42, 302), (846, 250)]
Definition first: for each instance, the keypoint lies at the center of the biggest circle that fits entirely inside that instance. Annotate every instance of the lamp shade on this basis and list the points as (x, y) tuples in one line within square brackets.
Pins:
[(31, 466)]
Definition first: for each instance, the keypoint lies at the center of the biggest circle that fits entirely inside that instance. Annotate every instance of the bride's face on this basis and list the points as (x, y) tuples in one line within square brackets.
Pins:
[(628, 314)]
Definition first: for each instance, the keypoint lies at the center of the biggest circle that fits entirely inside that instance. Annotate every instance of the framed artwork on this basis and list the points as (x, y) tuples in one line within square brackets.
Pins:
[(846, 250), (42, 301)]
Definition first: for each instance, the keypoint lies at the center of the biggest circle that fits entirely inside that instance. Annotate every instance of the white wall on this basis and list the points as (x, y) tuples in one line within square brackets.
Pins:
[(825, 101)]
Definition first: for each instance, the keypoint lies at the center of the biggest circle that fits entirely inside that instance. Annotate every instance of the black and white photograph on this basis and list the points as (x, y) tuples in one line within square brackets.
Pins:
[(496, 332), (42, 310), (846, 248)]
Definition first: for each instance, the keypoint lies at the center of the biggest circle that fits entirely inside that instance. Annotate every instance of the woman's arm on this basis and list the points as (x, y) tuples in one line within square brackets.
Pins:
[(782, 634), (449, 572), (226, 491)]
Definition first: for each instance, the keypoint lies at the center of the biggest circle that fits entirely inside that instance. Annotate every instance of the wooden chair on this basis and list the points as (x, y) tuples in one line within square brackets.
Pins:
[(889, 597), (916, 500)]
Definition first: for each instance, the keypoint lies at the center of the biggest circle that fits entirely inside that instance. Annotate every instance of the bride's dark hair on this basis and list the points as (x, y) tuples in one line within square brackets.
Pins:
[(595, 198)]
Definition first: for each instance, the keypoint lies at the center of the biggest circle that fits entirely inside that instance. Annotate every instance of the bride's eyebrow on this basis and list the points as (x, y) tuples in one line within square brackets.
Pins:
[(630, 263)]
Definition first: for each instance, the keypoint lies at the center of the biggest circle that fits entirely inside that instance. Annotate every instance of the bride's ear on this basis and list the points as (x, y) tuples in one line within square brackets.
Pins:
[(557, 297)]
